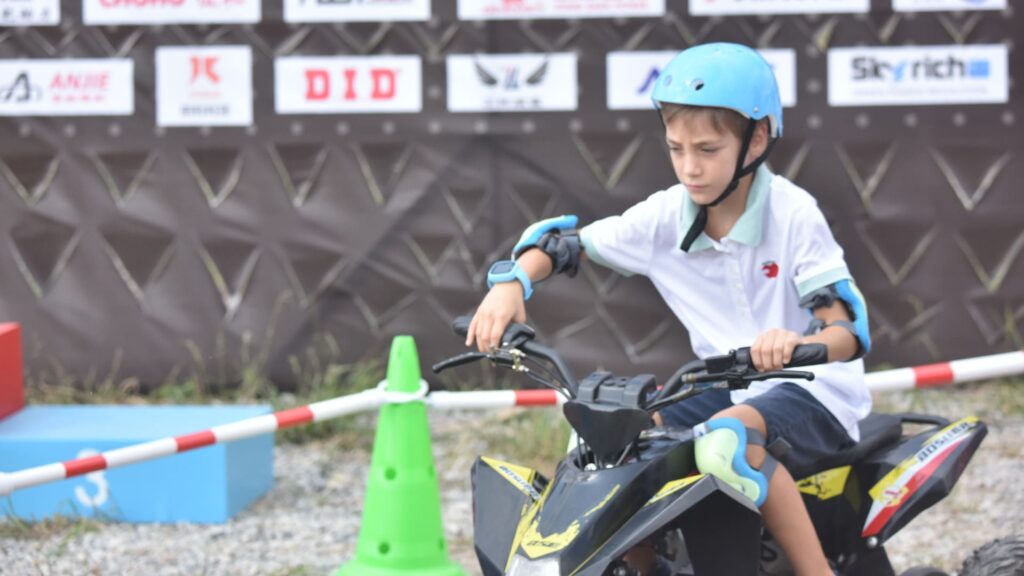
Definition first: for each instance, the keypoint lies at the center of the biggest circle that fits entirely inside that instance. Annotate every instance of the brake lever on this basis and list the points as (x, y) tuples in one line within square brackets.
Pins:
[(798, 374), (459, 360)]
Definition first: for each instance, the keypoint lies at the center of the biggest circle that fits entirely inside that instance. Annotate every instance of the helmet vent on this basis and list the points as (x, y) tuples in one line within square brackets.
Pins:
[(697, 84)]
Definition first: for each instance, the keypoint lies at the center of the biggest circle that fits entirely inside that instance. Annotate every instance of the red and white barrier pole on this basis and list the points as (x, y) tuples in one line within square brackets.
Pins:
[(981, 368), (316, 412), (931, 375), (325, 410)]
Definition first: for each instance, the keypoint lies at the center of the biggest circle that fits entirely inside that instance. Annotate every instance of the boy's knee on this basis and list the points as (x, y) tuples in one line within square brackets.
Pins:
[(721, 450)]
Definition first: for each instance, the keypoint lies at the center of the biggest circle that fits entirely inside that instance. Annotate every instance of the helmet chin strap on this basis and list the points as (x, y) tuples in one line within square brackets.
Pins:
[(741, 171)]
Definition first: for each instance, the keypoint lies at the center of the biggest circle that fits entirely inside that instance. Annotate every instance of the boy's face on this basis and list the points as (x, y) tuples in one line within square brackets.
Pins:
[(704, 158)]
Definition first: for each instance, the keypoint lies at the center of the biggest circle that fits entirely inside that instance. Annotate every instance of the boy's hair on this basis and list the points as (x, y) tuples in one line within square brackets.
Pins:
[(722, 119)]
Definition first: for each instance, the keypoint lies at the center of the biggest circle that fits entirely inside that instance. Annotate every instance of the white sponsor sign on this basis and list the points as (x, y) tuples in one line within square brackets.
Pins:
[(937, 5), (511, 82), (973, 74), (631, 76), (348, 84), (732, 7), (355, 10), (204, 86), (536, 9), (170, 11), (71, 87), (29, 12)]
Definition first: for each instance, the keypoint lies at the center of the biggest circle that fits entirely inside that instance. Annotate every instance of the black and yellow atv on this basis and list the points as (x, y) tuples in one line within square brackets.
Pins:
[(627, 483)]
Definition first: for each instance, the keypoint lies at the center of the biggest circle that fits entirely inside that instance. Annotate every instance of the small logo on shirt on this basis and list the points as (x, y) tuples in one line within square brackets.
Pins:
[(770, 269)]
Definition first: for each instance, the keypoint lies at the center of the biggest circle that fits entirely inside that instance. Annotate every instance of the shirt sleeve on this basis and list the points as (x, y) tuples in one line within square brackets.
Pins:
[(624, 243), (817, 257)]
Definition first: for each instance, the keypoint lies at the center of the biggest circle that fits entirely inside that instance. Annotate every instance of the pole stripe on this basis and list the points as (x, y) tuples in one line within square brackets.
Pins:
[(537, 397), (294, 416), (933, 375), (195, 440), (85, 465)]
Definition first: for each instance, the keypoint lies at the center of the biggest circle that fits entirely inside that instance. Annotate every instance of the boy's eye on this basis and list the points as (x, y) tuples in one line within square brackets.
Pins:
[(709, 150)]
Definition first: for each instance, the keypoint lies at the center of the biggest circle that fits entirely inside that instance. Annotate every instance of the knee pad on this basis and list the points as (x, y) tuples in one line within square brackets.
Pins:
[(720, 450)]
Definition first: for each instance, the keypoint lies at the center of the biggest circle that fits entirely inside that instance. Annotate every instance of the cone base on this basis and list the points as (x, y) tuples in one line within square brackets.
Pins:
[(357, 568)]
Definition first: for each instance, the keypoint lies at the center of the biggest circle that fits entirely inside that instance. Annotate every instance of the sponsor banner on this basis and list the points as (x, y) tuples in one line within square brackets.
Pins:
[(953, 5), (355, 10), (170, 11), (537, 9), (348, 84), (29, 12), (909, 75), (203, 86), (631, 76), (71, 87), (732, 7), (511, 82)]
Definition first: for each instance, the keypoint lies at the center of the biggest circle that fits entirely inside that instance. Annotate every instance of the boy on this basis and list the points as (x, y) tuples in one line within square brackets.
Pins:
[(742, 257)]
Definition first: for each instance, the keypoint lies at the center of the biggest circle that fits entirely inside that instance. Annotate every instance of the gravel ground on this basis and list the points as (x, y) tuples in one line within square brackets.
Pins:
[(308, 523)]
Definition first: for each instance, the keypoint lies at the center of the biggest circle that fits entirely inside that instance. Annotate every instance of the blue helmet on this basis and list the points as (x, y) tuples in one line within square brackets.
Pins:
[(722, 75)]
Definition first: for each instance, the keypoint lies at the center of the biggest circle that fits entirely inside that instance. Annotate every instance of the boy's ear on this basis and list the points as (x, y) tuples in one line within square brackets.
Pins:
[(759, 142)]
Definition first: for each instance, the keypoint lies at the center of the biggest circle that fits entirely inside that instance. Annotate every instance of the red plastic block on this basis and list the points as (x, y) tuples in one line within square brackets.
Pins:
[(12, 395)]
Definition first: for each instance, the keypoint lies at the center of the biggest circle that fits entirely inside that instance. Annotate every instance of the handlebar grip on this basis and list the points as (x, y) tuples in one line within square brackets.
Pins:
[(808, 355), (461, 325)]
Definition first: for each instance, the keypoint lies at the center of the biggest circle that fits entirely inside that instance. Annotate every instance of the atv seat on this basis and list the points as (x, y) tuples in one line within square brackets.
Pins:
[(876, 431)]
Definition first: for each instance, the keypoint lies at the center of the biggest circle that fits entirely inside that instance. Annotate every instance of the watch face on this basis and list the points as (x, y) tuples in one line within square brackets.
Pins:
[(503, 267)]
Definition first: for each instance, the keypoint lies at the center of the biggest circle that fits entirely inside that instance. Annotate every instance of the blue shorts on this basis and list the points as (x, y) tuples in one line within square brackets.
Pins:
[(789, 411)]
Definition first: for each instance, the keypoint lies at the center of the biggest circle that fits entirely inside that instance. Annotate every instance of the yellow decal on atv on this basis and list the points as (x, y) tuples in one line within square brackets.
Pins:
[(886, 491), (519, 476), (525, 522), (672, 487), (536, 545), (603, 502), (825, 485)]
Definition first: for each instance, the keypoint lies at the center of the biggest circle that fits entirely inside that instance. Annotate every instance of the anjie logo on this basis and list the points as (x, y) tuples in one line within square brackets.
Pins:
[(21, 90), (871, 68)]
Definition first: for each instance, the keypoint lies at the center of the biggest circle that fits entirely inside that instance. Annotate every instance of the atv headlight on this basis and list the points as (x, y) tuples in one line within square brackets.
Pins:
[(523, 566)]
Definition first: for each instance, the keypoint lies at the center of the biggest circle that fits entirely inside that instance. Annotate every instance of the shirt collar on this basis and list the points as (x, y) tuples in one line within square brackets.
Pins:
[(746, 230)]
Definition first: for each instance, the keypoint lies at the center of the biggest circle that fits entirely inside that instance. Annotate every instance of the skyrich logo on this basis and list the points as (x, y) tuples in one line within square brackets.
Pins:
[(927, 68), (21, 90), (510, 76)]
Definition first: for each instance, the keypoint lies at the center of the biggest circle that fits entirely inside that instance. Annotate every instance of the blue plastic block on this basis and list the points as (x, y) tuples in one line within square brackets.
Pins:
[(204, 485)]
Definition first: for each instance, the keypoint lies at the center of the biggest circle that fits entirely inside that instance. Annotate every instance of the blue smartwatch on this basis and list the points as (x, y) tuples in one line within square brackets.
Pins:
[(509, 271)]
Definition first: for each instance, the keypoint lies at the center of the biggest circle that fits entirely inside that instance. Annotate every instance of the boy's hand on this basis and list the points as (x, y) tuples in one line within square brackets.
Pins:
[(502, 305), (774, 348)]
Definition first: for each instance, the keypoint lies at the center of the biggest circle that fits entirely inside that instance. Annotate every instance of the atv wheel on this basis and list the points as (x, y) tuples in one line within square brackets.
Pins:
[(1002, 557), (924, 571)]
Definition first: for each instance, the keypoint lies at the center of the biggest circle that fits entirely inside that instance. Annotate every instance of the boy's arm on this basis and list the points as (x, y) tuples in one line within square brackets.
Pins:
[(842, 344), (774, 348), (504, 302)]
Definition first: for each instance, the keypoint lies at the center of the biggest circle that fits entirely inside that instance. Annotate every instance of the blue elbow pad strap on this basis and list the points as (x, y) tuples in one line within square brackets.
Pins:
[(532, 235), (720, 450), (845, 291), (858, 308)]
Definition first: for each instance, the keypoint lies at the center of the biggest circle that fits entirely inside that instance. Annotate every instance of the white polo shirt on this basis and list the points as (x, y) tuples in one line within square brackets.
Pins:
[(727, 293)]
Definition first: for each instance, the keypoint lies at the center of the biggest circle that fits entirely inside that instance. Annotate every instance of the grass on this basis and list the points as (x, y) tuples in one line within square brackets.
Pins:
[(317, 371), (65, 527)]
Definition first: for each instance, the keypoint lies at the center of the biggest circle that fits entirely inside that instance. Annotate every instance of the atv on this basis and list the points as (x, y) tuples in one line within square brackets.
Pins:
[(626, 482)]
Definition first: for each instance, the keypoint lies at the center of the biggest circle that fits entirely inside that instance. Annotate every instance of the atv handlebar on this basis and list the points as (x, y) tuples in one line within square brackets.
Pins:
[(735, 368)]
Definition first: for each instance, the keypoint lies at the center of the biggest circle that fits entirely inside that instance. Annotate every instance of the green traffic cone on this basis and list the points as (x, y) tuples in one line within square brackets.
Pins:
[(401, 531)]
